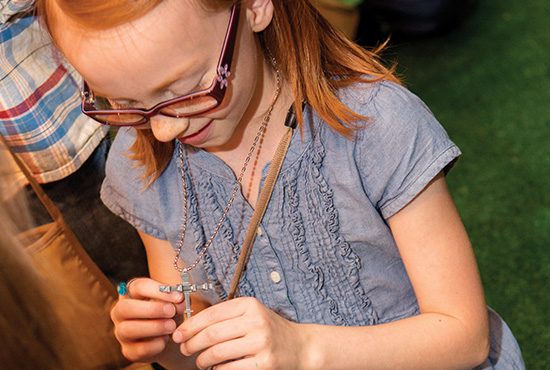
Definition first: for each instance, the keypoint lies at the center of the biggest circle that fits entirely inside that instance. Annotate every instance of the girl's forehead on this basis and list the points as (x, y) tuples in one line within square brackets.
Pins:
[(184, 21)]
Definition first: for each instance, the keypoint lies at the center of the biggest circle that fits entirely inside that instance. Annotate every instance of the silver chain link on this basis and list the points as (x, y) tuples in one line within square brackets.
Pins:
[(183, 158)]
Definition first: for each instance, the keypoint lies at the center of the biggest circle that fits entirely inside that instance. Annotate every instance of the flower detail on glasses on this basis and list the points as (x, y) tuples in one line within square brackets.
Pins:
[(223, 75)]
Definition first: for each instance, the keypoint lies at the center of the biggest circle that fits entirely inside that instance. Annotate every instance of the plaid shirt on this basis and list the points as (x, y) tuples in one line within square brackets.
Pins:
[(40, 113)]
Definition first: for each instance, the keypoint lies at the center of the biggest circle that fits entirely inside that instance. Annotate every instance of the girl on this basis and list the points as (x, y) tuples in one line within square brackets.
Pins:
[(360, 260)]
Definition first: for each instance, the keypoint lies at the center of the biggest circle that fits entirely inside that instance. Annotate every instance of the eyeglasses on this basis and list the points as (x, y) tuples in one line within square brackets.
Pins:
[(101, 109)]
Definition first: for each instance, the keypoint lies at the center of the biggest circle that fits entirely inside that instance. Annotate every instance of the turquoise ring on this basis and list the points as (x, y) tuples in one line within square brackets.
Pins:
[(122, 288)]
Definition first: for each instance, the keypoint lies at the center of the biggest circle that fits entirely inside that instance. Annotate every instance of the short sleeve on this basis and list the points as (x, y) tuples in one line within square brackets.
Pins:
[(125, 192), (402, 148)]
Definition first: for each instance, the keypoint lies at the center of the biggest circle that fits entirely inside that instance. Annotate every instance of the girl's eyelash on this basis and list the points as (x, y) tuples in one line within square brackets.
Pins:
[(203, 84), (197, 87)]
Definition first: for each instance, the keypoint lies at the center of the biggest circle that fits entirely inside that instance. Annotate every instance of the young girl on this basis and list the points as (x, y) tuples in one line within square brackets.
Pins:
[(360, 260)]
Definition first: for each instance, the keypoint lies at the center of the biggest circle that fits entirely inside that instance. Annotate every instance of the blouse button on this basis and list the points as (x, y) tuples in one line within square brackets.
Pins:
[(275, 277)]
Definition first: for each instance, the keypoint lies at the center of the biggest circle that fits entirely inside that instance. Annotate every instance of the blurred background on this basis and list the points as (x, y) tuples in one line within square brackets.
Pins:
[(483, 67)]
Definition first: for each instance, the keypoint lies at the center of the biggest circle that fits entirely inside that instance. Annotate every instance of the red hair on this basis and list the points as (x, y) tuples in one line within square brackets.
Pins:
[(318, 60)]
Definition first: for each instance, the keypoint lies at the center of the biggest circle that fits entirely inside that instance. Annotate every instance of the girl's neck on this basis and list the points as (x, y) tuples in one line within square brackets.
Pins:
[(234, 152), (259, 104)]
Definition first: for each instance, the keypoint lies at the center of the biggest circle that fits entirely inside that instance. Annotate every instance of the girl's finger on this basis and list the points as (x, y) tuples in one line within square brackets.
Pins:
[(131, 309), (135, 330), (219, 312), (146, 350), (219, 332), (229, 351), (145, 288)]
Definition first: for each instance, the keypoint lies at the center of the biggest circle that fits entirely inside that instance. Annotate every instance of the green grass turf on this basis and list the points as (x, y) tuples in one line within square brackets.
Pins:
[(489, 84)]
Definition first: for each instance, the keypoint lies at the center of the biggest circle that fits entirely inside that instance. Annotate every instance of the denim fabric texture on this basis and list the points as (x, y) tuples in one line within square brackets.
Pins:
[(324, 252)]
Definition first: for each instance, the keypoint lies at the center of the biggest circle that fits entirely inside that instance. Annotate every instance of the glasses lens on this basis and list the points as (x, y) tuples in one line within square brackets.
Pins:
[(114, 119), (190, 106)]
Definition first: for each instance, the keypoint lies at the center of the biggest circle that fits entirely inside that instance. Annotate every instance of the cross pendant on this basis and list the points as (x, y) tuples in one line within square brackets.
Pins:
[(186, 288)]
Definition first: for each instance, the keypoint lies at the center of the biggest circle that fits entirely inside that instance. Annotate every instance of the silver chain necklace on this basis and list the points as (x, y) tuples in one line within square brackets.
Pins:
[(183, 157)]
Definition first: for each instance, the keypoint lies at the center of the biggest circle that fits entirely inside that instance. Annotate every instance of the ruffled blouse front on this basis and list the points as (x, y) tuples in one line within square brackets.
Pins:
[(324, 252)]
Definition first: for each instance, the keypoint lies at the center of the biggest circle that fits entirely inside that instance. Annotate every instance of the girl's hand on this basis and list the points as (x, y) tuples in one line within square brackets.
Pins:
[(241, 334), (144, 319)]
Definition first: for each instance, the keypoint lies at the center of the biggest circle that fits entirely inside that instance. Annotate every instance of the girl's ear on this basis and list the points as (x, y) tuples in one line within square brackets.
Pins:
[(259, 14)]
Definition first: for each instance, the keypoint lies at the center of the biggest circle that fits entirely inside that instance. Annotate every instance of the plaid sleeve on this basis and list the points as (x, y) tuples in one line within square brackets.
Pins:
[(40, 113)]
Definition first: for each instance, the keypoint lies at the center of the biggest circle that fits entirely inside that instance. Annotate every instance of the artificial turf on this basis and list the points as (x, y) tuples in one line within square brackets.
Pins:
[(488, 82)]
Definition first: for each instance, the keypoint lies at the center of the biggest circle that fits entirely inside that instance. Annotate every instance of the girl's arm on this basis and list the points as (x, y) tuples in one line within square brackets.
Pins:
[(151, 342), (451, 332)]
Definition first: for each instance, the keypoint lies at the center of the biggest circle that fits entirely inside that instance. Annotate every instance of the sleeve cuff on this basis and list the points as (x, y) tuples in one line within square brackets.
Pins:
[(443, 162)]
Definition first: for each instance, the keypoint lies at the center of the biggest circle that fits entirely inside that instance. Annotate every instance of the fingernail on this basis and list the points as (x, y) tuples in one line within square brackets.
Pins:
[(177, 336), (169, 309), (178, 297)]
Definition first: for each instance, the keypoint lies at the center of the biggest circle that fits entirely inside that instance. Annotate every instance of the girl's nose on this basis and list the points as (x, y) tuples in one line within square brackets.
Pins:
[(167, 128)]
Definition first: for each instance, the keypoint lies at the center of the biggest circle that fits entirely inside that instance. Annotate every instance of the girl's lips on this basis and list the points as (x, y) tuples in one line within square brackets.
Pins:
[(198, 137)]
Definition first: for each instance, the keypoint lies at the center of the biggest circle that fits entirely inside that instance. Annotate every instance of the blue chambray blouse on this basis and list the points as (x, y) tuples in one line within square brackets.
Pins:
[(324, 252)]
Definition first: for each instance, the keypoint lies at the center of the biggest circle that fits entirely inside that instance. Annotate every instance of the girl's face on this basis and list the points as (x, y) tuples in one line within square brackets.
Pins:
[(171, 51)]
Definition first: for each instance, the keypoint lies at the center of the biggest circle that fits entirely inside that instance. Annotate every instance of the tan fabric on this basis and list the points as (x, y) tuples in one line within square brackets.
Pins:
[(9, 170), (81, 295)]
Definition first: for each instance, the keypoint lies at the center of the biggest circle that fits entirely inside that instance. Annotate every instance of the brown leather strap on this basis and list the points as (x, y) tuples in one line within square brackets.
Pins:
[(42, 196), (261, 205)]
